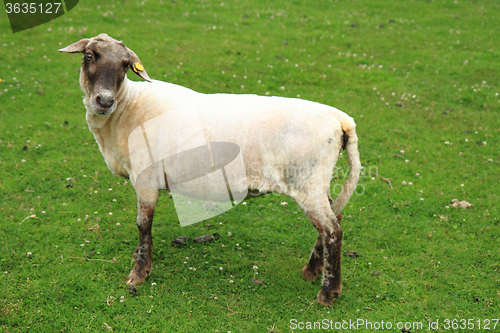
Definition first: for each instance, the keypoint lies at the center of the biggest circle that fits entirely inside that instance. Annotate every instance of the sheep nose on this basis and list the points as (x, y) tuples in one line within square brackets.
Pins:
[(105, 100)]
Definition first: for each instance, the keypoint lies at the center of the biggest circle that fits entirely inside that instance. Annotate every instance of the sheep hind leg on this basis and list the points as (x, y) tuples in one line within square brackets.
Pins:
[(315, 265), (339, 217), (331, 284), (327, 225)]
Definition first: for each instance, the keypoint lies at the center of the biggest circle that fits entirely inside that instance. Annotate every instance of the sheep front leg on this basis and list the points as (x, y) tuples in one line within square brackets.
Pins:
[(146, 203)]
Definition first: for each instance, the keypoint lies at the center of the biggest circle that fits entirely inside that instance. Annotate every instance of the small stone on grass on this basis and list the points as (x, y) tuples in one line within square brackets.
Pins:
[(204, 239), (352, 254), (460, 204), (181, 240), (257, 281)]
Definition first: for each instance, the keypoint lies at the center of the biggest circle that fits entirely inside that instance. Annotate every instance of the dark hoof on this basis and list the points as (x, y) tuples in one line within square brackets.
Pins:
[(139, 274), (132, 289), (326, 297)]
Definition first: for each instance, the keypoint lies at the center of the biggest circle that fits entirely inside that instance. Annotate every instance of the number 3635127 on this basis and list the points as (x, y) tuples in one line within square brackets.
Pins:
[(32, 8)]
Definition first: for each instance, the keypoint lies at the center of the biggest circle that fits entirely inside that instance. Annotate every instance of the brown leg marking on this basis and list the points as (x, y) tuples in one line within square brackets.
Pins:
[(315, 265), (331, 286), (134, 256), (143, 252)]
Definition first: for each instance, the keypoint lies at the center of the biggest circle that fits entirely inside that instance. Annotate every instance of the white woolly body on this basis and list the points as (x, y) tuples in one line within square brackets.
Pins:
[(288, 145)]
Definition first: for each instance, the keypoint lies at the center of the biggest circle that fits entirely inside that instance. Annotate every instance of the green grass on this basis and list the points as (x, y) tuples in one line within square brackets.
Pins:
[(439, 59)]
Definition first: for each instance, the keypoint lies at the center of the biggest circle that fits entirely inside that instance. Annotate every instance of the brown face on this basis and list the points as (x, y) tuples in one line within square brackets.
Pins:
[(104, 65), (103, 68)]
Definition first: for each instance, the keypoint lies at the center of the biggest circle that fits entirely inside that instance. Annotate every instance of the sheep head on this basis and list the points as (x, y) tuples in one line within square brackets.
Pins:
[(104, 66)]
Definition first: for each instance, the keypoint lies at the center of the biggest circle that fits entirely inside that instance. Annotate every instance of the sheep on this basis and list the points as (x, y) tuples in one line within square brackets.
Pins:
[(288, 146)]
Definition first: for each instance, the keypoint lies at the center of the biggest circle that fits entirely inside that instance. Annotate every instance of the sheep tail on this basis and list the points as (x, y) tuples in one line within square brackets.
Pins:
[(351, 147)]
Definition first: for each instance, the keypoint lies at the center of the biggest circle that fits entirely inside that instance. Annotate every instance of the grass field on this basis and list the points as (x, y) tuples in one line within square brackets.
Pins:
[(421, 79)]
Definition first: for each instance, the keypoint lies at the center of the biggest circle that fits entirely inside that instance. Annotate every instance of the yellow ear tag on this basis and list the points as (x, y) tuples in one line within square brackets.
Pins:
[(138, 67)]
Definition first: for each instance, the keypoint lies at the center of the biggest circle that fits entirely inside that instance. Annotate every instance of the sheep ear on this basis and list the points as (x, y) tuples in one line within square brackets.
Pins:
[(138, 68), (76, 47)]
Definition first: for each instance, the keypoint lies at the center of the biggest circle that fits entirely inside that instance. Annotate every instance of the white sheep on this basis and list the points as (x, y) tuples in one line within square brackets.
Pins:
[(289, 146)]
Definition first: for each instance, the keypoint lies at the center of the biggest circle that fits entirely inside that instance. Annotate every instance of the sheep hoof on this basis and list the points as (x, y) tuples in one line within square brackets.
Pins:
[(326, 297), (309, 274), (132, 289), (138, 274)]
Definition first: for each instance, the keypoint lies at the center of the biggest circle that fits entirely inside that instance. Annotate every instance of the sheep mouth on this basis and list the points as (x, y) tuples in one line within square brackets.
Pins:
[(103, 111)]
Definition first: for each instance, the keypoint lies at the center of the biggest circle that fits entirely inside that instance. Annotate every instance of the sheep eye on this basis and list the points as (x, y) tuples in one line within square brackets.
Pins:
[(88, 56)]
